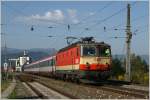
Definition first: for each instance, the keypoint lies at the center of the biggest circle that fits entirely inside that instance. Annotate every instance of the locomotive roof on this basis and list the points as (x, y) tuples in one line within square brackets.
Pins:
[(83, 43)]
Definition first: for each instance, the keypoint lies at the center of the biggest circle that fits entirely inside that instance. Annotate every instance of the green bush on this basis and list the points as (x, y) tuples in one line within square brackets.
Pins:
[(139, 70)]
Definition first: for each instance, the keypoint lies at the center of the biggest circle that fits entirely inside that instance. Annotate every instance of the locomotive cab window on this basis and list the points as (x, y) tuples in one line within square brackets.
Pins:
[(89, 51), (105, 52)]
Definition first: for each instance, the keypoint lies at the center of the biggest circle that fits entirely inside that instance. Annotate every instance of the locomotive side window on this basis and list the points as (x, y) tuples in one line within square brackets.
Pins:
[(89, 51), (53, 62), (105, 52)]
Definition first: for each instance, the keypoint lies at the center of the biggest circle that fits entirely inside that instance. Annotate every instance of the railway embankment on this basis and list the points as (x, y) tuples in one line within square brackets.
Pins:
[(22, 91), (27, 86), (9, 89), (83, 91)]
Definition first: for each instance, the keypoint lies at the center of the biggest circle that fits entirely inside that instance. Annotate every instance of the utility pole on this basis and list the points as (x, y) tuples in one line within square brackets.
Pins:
[(5, 54), (128, 44)]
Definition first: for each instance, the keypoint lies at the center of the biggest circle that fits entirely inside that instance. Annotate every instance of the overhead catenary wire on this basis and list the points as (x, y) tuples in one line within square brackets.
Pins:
[(32, 26), (25, 15), (15, 10), (105, 19), (109, 17), (87, 16), (70, 25), (100, 10), (133, 21), (140, 29)]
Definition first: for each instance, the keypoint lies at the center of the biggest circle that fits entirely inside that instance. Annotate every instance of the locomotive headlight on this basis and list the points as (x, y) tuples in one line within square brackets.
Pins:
[(87, 64)]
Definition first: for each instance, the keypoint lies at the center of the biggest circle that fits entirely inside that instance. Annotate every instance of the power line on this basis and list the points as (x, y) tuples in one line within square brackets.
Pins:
[(100, 10), (84, 19), (25, 15), (55, 22), (133, 20), (109, 17), (122, 29), (105, 19), (5, 4)]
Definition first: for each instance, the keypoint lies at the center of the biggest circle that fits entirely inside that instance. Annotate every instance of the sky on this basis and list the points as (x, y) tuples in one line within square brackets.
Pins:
[(87, 18)]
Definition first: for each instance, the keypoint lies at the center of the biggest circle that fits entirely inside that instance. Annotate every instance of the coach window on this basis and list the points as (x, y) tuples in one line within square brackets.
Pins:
[(44, 64), (47, 63), (52, 62), (41, 64)]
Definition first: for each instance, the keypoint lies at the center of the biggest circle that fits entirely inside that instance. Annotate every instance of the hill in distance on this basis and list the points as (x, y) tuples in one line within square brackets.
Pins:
[(34, 53), (38, 53)]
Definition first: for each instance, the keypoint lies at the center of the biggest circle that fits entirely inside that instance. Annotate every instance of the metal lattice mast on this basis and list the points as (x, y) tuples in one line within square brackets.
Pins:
[(128, 44)]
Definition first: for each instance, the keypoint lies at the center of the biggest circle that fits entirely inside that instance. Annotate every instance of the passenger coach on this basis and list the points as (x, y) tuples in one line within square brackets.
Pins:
[(45, 66)]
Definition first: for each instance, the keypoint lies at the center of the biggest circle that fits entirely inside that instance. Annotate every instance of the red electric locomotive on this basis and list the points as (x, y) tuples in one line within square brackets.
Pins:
[(85, 59)]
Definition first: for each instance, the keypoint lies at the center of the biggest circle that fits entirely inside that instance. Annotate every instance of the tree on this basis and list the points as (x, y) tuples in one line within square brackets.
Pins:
[(117, 68), (139, 70)]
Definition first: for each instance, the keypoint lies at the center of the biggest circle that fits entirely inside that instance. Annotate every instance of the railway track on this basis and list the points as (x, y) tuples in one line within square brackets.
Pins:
[(38, 93), (117, 88), (121, 90), (141, 94), (126, 91), (44, 91), (59, 91), (28, 86)]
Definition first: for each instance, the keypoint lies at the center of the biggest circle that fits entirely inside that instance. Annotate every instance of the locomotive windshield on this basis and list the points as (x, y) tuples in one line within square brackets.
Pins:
[(104, 52), (89, 51)]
